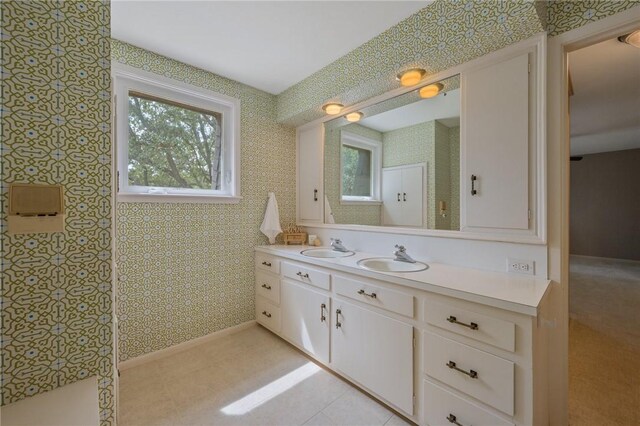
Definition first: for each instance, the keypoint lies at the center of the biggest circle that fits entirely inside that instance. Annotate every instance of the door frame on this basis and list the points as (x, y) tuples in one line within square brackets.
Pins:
[(558, 180)]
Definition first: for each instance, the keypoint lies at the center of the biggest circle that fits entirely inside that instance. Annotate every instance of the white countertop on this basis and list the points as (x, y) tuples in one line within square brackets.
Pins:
[(517, 293)]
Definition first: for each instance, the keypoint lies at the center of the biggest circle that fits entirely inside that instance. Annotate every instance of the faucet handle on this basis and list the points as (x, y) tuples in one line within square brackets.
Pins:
[(401, 248), (336, 240)]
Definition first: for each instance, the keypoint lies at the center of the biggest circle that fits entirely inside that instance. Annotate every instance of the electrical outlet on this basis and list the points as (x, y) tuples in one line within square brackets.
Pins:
[(520, 266)]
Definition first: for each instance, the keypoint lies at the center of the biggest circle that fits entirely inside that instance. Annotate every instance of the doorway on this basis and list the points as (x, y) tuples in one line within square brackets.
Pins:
[(604, 233)]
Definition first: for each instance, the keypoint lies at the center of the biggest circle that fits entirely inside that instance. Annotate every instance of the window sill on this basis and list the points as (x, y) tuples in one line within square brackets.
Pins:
[(132, 197), (361, 202)]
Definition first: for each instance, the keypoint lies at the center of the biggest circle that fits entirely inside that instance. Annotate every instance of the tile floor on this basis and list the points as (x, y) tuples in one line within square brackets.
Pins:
[(248, 378), (604, 342)]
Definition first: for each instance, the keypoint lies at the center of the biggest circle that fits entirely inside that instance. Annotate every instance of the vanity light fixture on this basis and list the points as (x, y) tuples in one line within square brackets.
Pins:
[(352, 117), (411, 77), (332, 108), (431, 90), (632, 39)]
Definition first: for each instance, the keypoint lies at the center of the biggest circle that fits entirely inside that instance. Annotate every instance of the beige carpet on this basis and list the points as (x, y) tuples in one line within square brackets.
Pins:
[(604, 342)]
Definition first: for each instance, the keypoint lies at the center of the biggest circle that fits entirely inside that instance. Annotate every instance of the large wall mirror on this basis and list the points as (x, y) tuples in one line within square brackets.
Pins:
[(397, 163)]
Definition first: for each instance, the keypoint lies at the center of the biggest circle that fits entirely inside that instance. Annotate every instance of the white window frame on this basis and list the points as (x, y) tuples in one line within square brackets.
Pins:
[(128, 79), (357, 141)]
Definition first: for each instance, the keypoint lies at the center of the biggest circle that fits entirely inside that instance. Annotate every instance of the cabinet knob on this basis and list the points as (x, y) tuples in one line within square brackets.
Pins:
[(267, 264), (322, 308), (301, 275), (268, 287), (338, 323), (266, 314), (315, 195)]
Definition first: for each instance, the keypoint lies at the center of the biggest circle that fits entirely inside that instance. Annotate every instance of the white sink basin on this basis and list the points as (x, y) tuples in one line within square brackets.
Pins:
[(326, 253), (388, 264)]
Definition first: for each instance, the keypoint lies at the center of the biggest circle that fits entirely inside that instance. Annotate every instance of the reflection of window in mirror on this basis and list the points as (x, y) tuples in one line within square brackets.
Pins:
[(360, 160)]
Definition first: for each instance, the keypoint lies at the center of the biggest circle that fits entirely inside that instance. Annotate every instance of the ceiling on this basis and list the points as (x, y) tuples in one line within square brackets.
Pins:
[(270, 45), (605, 107), (446, 109)]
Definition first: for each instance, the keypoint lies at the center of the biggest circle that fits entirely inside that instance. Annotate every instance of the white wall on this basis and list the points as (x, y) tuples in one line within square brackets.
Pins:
[(74, 404), (487, 255)]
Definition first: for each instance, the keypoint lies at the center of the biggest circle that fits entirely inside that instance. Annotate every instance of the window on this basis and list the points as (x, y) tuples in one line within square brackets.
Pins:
[(361, 161), (175, 142)]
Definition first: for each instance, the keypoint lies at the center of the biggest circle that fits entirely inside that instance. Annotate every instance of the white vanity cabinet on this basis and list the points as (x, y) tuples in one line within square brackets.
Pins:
[(310, 148), (501, 144), (306, 318), (402, 195), (374, 350), (267, 284), (436, 354)]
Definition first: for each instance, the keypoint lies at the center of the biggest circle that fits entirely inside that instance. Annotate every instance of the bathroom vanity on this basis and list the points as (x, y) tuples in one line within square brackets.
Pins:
[(445, 345)]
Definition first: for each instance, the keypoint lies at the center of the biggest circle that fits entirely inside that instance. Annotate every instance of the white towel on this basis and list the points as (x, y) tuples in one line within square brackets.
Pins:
[(328, 213), (271, 223)]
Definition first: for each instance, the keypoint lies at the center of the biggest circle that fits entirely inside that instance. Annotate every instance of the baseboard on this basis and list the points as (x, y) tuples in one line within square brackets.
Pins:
[(163, 353), (615, 259)]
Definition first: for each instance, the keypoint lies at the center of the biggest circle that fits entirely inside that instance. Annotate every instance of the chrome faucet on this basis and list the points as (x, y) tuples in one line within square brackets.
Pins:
[(336, 243), (401, 255)]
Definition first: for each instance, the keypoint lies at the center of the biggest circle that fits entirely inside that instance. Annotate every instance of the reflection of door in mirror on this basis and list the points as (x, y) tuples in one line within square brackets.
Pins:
[(399, 165)]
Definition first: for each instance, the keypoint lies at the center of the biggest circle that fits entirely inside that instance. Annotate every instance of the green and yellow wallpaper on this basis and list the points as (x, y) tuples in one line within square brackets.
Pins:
[(566, 15), (453, 209), (443, 34), (186, 270), (56, 129)]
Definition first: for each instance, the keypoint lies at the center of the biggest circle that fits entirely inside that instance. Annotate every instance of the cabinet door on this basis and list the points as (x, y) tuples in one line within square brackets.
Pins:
[(495, 136), (305, 318), (412, 196), (392, 197), (375, 351), (310, 188)]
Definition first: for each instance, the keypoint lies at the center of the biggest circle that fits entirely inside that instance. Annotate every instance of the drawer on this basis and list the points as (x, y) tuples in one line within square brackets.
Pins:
[(485, 328), (267, 262), (268, 286), (391, 300), (442, 407), (454, 363), (307, 275), (268, 314)]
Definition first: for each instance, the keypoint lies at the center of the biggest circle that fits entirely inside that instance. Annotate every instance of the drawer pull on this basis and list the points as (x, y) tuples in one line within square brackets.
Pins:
[(301, 275), (268, 287), (364, 293), (470, 373), (265, 263), (454, 320), (453, 419), (338, 323), (322, 308), (266, 314)]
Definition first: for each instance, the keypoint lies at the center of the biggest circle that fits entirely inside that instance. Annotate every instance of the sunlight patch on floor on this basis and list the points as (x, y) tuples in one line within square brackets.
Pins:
[(270, 391)]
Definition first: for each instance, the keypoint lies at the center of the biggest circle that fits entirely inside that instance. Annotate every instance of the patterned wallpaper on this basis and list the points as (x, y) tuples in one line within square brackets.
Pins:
[(453, 210), (566, 15), (186, 270), (56, 288), (443, 34), (345, 213), (442, 172)]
